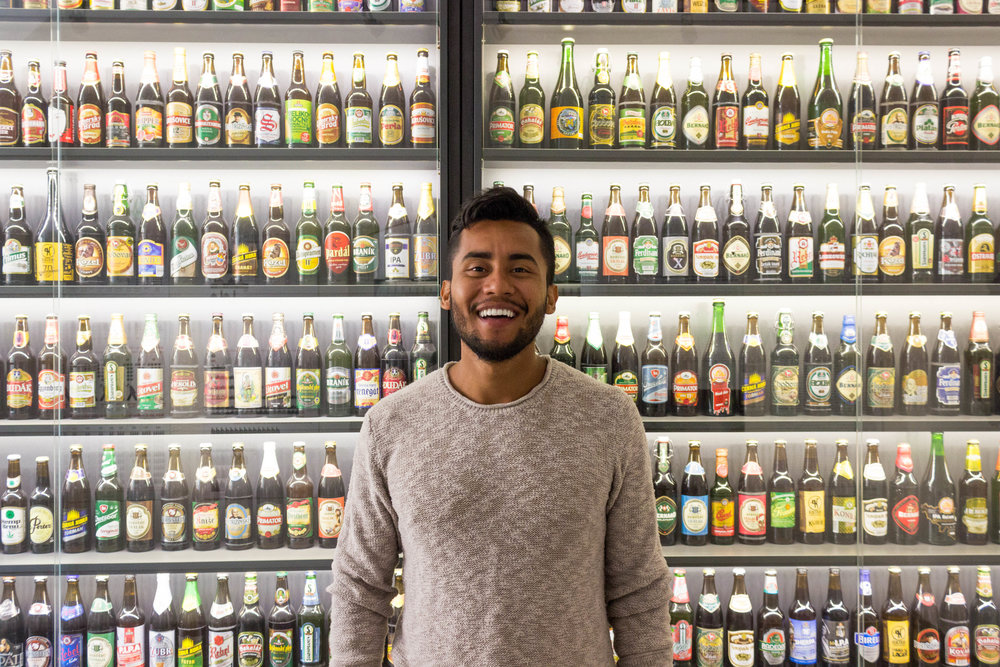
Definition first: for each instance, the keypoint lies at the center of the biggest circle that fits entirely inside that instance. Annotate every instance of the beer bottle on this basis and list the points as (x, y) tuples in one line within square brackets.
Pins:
[(781, 499), (281, 642), (674, 244), (832, 237), (826, 115), (895, 624), (663, 107), (861, 108), (874, 497), (920, 232), (180, 105), (83, 369), (278, 370), (18, 267), (10, 103), (903, 502), (799, 240), (238, 107), (866, 623), (61, 111), (913, 370), (846, 364), (705, 239), (601, 103), (973, 522), (891, 246), (980, 241), (719, 367), (736, 258), (13, 510), (364, 240), (248, 372), (994, 504), (275, 255), (398, 239), (768, 253), (358, 107), (391, 105), (755, 129), (299, 501), (119, 374), (615, 240), (183, 240), (562, 347), (218, 372), (632, 107), (684, 365), (842, 512), (238, 525), (753, 372), (88, 253), (330, 499), (723, 519), (39, 637), (561, 232), (751, 499), (205, 533), (118, 110), (215, 240), (864, 239), (726, 106), (163, 645), (954, 106), (89, 105), (978, 373), (566, 110), (894, 108), (835, 633), (250, 626), (270, 502), (949, 252), (624, 359), (593, 358), (139, 498), (51, 373), (695, 124), (308, 371), (337, 236), (531, 107), (184, 372), (425, 237), (423, 106), (709, 633), (802, 636), (121, 239), (694, 512), (773, 645), (337, 372), (925, 130), (222, 625), (811, 500), (33, 109), (681, 620), (395, 362), (149, 105), (175, 503), (880, 362), (785, 389), (937, 498), (208, 110), (740, 649), (984, 110), (654, 395), (73, 625), (924, 623), (75, 521), (245, 243), (983, 620), (310, 625), (818, 370), (151, 239), (109, 506), (267, 105), (665, 491), (130, 627), (945, 379), (53, 244), (786, 113), (191, 627), (101, 626), (21, 372), (367, 368), (329, 107)]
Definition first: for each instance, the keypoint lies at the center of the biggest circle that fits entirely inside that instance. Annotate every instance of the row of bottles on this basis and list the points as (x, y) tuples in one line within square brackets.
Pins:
[(838, 249), (922, 120), (123, 250), (750, 6), (838, 510), (718, 383), (209, 512), (274, 382), (230, 5), (951, 633), (130, 634), (207, 119)]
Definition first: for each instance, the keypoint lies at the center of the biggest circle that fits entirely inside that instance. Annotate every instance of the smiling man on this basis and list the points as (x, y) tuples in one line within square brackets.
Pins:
[(518, 488)]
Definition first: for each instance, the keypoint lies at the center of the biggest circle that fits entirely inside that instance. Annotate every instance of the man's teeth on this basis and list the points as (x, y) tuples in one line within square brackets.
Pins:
[(496, 312)]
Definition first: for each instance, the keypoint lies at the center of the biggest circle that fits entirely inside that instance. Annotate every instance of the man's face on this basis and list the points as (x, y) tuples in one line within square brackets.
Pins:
[(497, 294)]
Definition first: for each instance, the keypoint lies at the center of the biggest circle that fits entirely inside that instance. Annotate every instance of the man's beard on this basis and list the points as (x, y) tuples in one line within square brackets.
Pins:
[(493, 352)]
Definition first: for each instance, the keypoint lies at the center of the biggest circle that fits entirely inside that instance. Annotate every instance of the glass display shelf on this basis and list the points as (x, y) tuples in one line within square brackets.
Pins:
[(272, 18), (163, 158), (561, 158), (224, 425), (710, 290), (802, 555), (822, 424), (427, 289)]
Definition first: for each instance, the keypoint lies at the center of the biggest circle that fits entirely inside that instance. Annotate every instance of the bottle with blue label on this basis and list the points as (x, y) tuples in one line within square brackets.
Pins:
[(802, 623), (945, 378), (867, 639), (846, 362), (73, 626), (310, 625), (654, 393), (694, 499), (835, 638)]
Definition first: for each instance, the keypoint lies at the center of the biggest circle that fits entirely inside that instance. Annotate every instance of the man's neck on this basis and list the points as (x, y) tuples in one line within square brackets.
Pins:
[(492, 383)]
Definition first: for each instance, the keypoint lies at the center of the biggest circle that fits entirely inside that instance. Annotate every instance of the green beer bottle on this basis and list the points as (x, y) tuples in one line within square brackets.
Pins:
[(566, 112), (826, 109)]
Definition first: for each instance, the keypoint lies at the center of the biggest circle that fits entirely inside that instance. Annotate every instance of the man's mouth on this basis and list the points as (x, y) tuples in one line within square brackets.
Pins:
[(496, 313)]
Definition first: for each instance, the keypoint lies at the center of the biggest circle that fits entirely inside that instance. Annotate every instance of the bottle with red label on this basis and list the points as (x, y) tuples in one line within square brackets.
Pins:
[(275, 254), (337, 240), (705, 239), (984, 110), (330, 499), (726, 107), (395, 360), (954, 106), (924, 632), (681, 621), (90, 105), (267, 105), (721, 497), (61, 110), (684, 369), (615, 241), (149, 105), (21, 373), (184, 392), (206, 528), (423, 106), (278, 370), (34, 128), (751, 499), (130, 628), (719, 368), (937, 498), (625, 358), (984, 621), (215, 240), (218, 372), (904, 506), (51, 373), (269, 508)]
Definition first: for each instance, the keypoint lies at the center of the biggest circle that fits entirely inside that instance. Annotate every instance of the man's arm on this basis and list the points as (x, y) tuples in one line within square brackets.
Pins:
[(366, 554), (636, 576)]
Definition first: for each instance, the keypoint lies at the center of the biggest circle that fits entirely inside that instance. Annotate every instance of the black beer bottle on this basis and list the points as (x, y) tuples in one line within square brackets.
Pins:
[(771, 633), (841, 507), (874, 497), (977, 371), (802, 635), (330, 499), (41, 505), (139, 499), (835, 634), (972, 523), (275, 252), (924, 631), (719, 368), (781, 501), (19, 243), (665, 491), (245, 254), (818, 370), (206, 522), (740, 649), (753, 372), (250, 649), (14, 507), (175, 505), (937, 498), (270, 502), (709, 628), (880, 362), (76, 515), (945, 378), (694, 508), (810, 501), (237, 509), (684, 369), (847, 370), (90, 241)]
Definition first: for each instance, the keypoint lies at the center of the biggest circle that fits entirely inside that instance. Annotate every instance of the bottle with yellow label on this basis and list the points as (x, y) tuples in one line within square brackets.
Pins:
[(53, 249), (531, 107), (120, 250), (895, 623), (786, 110), (980, 240)]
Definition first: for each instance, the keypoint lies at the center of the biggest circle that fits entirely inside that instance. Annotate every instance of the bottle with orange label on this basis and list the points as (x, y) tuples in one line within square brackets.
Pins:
[(423, 106), (723, 507), (615, 240), (726, 107), (329, 106), (684, 369), (566, 110), (90, 105), (149, 105), (120, 251), (90, 241), (275, 254)]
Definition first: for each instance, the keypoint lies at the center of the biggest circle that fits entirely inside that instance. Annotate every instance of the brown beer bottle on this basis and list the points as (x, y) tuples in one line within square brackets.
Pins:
[(245, 255), (978, 371), (215, 248), (248, 373), (802, 635), (10, 102), (238, 504), (423, 106), (275, 254), (270, 502), (842, 515), (149, 105), (278, 371), (391, 105), (329, 107), (904, 506), (130, 627), (175, 504), (880, 361), (709, 631), (238, 128), (945, 380), (781, 519), (33, 109), (684, 368), (218, 372), (953, 615), (874, 497), (179, 132), (89, 105), (19, 242), (300, 514), (913, 380), (51, 373), (395, 363), (924, 624), (76, 523), (367, 368), (358, 108), (694, 499), (771, 624), (151, 241), (751, 499), (267, 105), (118, 111), (337, 240), (21, 373), (222, 646), (308, 371), (810, 499), (83, 370), (330, 502), (740, 649), (90, 241), (895, 623), (206, 531), (149, 372), (184, 372), (139, 498)]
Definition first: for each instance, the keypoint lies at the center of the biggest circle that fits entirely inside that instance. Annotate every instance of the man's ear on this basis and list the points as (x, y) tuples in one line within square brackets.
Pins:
[(445, 295), (551, 296)]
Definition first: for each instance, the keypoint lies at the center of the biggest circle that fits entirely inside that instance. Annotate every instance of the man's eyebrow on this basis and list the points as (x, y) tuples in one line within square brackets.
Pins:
[(524, 256), (485, 254)]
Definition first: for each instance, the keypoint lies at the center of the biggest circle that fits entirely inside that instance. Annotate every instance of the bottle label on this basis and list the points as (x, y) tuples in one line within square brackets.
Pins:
[(267, 126), (895, 126), (832, 255), (250, 649), (986, 125), (948, 384), (74, 524), (172, 523), (216, 388), (61, 126), (736, 255), (812, 507), (207, 124), (239, 126), (925, 125), (753, 512), (394, 379), (836, 642), (37, 651), (881, 387), (501, 126), (787, 132), (844, 515), (307, 254), (694, 515), (364, 254), (247, 382), (848, 385), (190, 653), (179, 123), (696, 126), (425, 256), (12, 526), (397, 257), (148, 124), (89, 257), (662, 126), (706, 258), (645, 256), (922, 249), (941, 517), (685, 388), (927, 645), (914, 387), (951, 260), (330, 517), (107, 520), (756, 124), (33, 124), (139, 520), (183, 388), (800, 257), (366, 387), (121, 260), (827, 129), (150, 259), (39, 525), (956, 125), (975, 517), (20, 389), (709, 641), (214, 255), (956, 647), (727, 124), (906, 514), (161, 649), (278, 386), (875, 516), (981, 254), (739, 647), (220, 648), (719, 376), (655, 384), (269, 520), (802, 638), (237, 521), (864, 128), (723, 518), (89, 122), (204, 521), (818, 386), (16, 258), (753, 390), (566, 123), (337, 254), (299, 513), (307, 388), (682, 640), (632, 127), (100, 649), (183, 257), (892, 255), (338, 385), (131, 647), (615, 255), (9, 130), (51, 390), (602, 125), (423, 123), (391, 123), (782, 509), (868, 644), (987, 644), (531, 125), (675, 256), (82, 389), (772, 646)]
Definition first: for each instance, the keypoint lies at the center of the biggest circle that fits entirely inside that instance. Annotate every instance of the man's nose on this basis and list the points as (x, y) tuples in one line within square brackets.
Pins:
[(498, 282)]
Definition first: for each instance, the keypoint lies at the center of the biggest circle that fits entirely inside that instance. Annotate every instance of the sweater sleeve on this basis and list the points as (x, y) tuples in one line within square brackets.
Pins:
[(367, 551), (636, 575)]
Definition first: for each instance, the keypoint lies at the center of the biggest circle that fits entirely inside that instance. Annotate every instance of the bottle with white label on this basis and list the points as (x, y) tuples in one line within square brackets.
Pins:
[(740, 649), (221, 627), (13, 510), (864, 238), (130, 628), (874, 497), (162, 626)]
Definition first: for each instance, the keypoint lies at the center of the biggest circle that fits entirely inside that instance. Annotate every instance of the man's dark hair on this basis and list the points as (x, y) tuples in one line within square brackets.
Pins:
[(503, 203)]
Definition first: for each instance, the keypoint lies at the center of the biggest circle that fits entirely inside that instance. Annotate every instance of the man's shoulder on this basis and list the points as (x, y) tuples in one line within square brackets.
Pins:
[(414, 397), (580, 387)]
